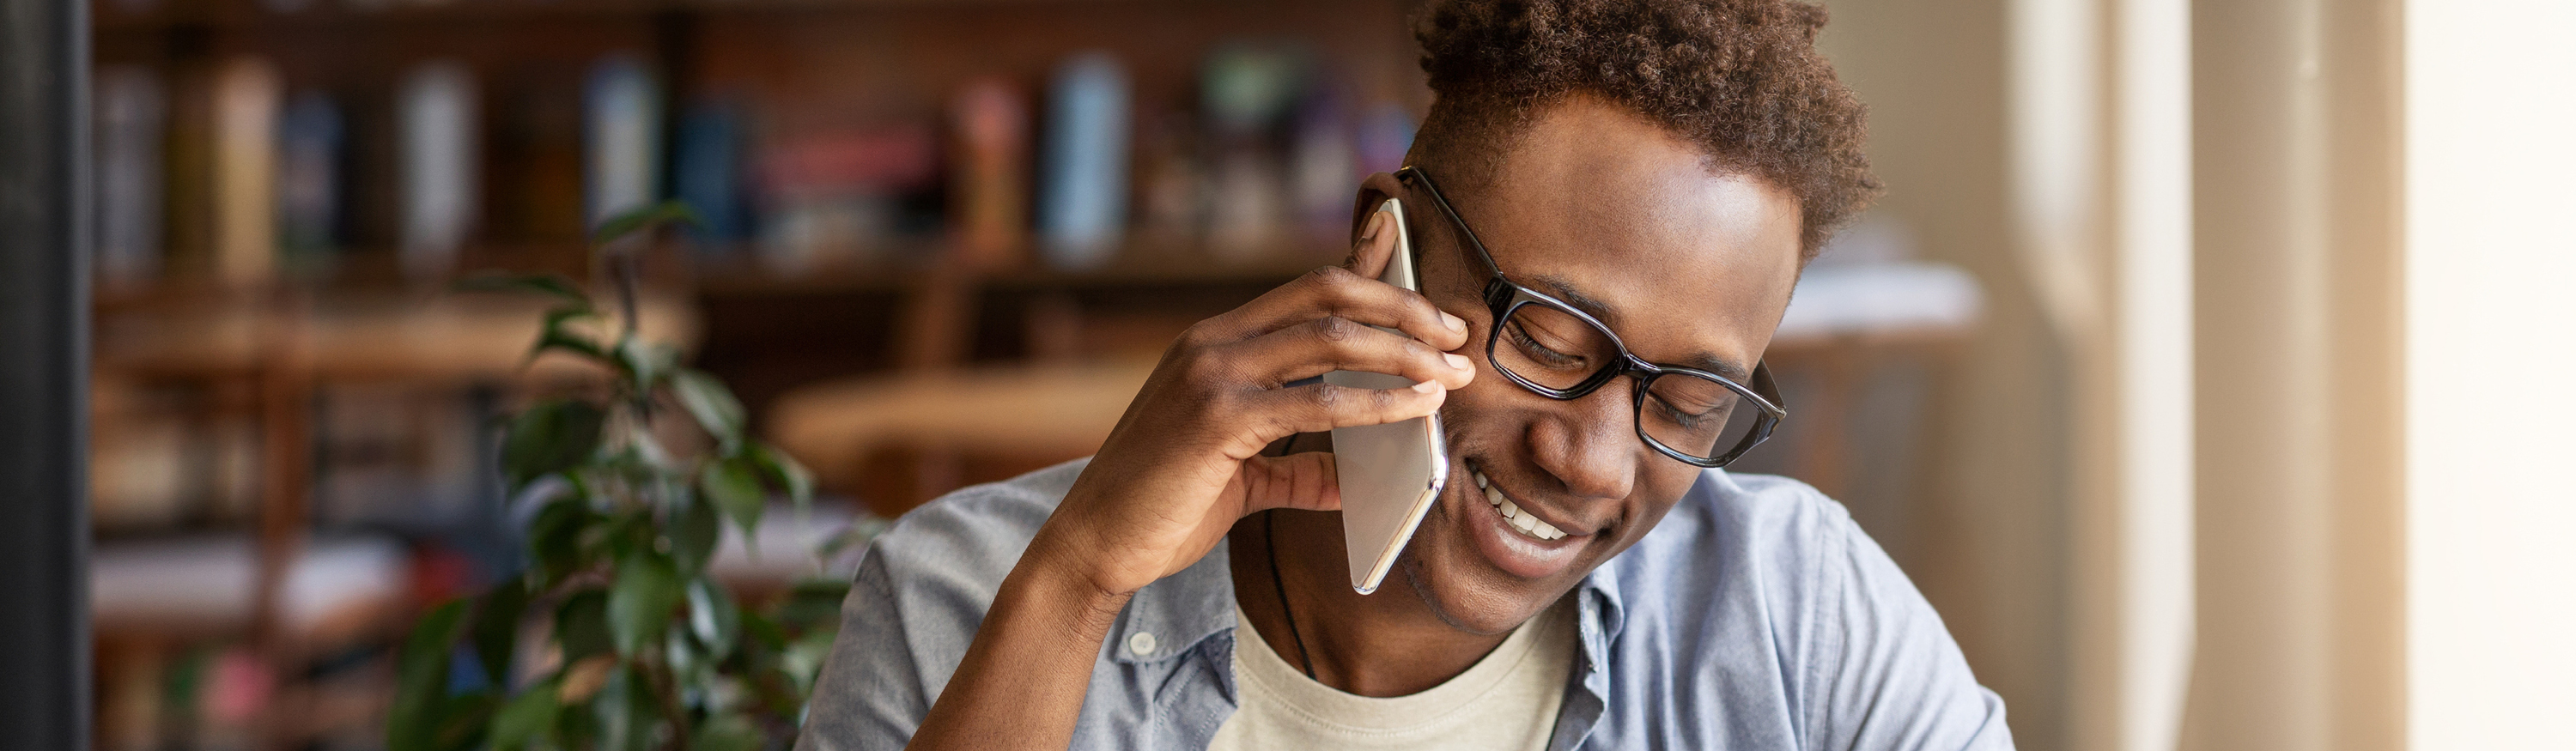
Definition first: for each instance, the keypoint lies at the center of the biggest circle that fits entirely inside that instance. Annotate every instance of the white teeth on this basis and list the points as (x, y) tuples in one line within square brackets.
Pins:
[(1520, 520)]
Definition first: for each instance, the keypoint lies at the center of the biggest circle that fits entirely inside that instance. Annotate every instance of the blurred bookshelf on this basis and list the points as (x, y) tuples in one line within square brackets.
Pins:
[(942, 242), (293, 451)]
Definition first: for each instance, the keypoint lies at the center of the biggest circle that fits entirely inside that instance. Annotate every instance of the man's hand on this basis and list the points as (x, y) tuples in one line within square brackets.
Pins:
[(1184, 463)]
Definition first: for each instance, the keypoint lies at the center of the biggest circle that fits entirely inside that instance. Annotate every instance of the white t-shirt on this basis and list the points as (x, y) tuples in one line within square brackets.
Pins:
[(1508, 700)]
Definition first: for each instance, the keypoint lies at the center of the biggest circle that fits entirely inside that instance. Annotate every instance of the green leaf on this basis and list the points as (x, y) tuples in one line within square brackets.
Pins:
[(785, 471), (496, 628), (420, 687), (553, 335), (713, 616), (763, 632), (694, 530), (727, 732), (526, 718), (645, 218), (641, 601), (713, 405), (628, 714), (553, 285), (737, 490), (578, 729), (646, 362), (554, 537), (465, 719), (550, 437), (581, 625)]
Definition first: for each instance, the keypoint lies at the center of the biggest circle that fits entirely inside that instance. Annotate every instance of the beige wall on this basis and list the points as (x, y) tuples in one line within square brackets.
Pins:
[(2298, 300), (1989, 547)]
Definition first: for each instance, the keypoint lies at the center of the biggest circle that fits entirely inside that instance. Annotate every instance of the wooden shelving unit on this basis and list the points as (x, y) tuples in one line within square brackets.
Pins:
[(904, 321), (265, 362)]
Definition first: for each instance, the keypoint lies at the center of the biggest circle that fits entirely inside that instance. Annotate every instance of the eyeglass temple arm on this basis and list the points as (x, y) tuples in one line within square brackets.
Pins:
[(1432, 187)]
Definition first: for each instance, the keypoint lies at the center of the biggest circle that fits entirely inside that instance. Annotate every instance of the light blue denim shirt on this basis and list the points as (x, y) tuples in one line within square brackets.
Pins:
[(1755, 616)]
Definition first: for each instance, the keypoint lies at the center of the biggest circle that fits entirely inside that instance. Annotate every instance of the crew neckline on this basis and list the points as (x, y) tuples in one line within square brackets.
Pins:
[(1305, 697)]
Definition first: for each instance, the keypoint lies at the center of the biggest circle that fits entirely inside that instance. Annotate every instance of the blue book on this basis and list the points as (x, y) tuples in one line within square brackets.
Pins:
[(1082, 199), (706, 172)]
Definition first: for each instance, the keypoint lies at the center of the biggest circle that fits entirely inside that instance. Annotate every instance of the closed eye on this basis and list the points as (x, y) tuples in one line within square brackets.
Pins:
[(1544, 354)]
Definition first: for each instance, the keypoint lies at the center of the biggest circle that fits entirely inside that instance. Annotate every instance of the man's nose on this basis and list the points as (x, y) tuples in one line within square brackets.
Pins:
[(1588, 444)]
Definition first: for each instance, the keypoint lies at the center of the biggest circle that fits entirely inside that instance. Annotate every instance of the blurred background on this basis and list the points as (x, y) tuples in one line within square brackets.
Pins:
[(2122, 371)]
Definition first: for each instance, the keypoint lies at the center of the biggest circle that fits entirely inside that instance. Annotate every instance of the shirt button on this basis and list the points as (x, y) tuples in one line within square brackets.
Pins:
[(1142, 643)]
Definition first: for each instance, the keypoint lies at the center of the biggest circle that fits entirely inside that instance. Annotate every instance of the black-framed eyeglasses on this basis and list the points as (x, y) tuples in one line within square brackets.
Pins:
[(1560, 352)]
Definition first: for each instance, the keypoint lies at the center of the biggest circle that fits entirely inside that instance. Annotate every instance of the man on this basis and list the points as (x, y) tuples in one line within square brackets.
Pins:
[(1611, 202)]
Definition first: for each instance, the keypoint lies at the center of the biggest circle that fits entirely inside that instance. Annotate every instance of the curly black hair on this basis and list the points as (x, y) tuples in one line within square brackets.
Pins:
[(1742, 79)]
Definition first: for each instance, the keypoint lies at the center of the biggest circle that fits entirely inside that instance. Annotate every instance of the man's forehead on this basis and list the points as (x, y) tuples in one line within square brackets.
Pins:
[(1616, 216)]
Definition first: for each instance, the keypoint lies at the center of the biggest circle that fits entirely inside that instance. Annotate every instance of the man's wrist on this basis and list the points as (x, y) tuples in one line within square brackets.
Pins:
[(1053, 590)]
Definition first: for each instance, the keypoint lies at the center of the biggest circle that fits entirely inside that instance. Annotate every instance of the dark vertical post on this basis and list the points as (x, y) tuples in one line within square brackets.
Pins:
[(44, 375)]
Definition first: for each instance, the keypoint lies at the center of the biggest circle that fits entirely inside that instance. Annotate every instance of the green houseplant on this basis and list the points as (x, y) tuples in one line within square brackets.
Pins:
[(636, 645)]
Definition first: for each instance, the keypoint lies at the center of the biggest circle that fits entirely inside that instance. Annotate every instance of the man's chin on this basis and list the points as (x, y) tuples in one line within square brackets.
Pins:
[(1469, 593)]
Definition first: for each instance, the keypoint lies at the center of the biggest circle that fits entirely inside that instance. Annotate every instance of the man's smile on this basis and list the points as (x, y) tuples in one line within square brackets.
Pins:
[(1516, 536)]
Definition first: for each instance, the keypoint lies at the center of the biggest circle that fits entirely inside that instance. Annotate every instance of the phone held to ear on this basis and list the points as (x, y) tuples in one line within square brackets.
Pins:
[(1389, 473)]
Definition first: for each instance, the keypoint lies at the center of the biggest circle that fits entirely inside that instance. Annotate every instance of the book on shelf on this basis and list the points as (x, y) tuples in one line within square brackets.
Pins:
[(310, 180), (622, 138), (1246, 92), (988, 203), (247, 93), (842, 197), (1082, 209), (1323, 160), (439, 157), (131, 113), (706, 170)]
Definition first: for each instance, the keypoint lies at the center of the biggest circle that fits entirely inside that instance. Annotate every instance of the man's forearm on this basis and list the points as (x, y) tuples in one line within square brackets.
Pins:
[(1021, 683)]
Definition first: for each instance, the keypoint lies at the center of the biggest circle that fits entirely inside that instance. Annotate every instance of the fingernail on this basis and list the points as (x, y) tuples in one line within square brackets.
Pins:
[(1455, 361), (1455, 323), (1428, 387), (1376, 223)]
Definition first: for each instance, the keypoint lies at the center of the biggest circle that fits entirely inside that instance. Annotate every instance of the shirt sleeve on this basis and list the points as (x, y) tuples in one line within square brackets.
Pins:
[(870, 695), (1888, 675)]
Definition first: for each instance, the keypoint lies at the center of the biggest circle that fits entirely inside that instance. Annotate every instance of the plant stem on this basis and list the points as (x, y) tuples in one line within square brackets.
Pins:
[(625, 268), (666, 690)]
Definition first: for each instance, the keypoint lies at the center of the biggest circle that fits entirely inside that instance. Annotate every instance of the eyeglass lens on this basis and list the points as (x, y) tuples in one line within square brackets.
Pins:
[(1689, 414)]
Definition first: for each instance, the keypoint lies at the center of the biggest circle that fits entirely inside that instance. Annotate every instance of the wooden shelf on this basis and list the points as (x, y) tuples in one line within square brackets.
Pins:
[(435, 337), (736, 273), (109, 18)]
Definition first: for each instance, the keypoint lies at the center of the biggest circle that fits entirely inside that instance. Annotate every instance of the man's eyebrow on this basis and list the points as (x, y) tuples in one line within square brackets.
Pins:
[(1710, 363), (1559, 288)]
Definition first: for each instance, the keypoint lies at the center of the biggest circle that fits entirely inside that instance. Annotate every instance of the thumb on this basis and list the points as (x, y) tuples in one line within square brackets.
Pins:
[(1303, 481), (1376, 245)]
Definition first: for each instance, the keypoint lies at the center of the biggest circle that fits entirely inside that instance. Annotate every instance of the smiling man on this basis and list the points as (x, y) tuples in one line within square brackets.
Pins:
[(1610, 203)]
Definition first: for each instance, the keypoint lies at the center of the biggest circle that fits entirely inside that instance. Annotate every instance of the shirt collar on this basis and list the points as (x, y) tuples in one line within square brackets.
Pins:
[(1170, 617)]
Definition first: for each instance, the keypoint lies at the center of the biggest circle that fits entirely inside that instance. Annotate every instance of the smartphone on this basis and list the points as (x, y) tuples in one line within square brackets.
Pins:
[(1389, 473)]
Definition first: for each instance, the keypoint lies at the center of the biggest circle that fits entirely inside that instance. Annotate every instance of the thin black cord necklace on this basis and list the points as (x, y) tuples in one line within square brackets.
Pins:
[(1270, 544)]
